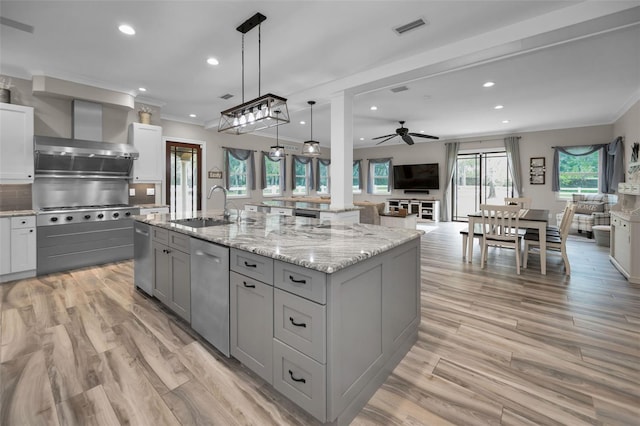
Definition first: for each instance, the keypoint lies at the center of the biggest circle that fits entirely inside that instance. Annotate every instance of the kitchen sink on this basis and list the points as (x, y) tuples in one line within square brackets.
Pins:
[(200, 222)]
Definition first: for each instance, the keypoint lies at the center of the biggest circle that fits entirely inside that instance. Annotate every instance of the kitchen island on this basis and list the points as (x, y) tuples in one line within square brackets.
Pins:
[(323, 311)]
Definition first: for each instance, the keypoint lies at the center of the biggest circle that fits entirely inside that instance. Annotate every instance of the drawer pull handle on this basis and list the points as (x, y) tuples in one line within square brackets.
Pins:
[(248, 285), (297, 324), (293, 280), (250, 265), (296, 380)]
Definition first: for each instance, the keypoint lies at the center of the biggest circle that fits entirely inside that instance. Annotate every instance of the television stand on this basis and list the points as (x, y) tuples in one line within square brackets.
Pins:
[(426, 210)]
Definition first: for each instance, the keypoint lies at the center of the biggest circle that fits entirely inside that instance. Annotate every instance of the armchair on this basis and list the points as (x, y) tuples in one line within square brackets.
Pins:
[(590, 210)]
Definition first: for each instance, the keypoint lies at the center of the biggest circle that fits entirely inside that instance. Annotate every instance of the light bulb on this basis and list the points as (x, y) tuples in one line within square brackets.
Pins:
[(251, 118), (243, 120), (259, 115), (235, 121)]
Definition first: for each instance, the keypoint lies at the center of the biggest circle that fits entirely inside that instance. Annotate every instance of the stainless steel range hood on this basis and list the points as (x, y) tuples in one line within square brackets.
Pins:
[(77, 157)]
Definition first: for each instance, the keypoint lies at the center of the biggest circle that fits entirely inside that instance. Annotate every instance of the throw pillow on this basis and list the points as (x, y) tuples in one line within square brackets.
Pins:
[(577, 197), (587, 207)]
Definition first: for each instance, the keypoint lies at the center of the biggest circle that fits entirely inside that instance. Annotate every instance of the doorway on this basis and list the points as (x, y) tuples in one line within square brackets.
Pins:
[(184, 177), (480, 178)]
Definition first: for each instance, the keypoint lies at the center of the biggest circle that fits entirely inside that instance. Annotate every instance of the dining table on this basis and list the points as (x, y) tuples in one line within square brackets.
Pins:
[(527, 218)]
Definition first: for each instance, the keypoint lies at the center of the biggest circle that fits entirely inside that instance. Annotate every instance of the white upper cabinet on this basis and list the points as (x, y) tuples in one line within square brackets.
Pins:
[(16, 144), (148, 141)]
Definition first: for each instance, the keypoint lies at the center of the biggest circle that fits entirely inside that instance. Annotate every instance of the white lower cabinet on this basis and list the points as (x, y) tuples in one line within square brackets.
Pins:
[(18, 235)]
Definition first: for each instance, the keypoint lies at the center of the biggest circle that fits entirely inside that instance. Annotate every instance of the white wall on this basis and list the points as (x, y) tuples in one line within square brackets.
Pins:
[(628, 126)]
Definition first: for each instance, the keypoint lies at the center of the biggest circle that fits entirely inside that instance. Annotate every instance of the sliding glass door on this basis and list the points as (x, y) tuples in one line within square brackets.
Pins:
[(480, 178), (184, 180)]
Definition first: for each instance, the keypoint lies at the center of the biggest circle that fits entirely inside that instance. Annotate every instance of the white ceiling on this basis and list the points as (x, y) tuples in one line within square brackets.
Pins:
[(556, 64)]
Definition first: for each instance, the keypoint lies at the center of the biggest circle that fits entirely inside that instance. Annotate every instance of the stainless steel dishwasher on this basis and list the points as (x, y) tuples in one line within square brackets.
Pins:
[(210, 293), (142, 258)]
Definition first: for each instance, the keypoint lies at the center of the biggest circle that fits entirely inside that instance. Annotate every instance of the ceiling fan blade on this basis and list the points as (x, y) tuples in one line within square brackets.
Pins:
[(391, 137), (407, 139), (381, 137), (420, 135), (15, 24)]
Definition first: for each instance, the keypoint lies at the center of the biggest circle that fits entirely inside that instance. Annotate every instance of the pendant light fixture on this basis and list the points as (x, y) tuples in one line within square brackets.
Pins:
[(258, 113), (276, 152), (311, 147)]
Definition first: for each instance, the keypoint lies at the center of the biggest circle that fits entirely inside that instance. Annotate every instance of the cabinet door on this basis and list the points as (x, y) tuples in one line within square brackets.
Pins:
[(180, 284), (16, 144), (251, 307), (622, 245), (148, 141), (161, 276), (5, 245), (23, 249)]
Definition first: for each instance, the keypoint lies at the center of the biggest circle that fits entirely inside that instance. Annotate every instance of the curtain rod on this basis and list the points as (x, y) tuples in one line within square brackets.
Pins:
[(485, 140), (227, 147)]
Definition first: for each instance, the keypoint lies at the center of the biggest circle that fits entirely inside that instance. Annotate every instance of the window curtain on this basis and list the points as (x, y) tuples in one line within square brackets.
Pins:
[(283, 167), (512, 147), (324, 162), (370, 175), (359, 164), (570, 150), (242, 155), (612, 170), (451, 155), (302, 160)]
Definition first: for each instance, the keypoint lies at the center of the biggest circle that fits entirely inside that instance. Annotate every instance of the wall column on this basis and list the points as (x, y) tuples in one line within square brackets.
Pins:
[(341, 150)]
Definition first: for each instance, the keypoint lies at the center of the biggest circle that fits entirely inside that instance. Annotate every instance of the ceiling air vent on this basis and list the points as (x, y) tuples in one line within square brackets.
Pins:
[(410, 26), (399, 89), (227, 96)]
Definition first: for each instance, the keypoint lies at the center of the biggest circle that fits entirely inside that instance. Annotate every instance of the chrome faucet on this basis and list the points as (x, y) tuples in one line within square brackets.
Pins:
[(226, 213)]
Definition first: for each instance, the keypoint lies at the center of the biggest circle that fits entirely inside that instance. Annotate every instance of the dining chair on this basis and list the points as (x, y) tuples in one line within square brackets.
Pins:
[(556, 243), (500, 228), (523, 202)]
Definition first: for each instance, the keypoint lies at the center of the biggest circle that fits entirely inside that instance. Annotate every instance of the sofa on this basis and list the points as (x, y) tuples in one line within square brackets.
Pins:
[(590, 210)]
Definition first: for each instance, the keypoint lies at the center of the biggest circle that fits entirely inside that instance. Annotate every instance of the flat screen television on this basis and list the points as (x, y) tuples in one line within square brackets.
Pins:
[(416, 176)]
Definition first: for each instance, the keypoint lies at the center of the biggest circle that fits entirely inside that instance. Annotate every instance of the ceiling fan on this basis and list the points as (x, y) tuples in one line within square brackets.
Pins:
[(404, 133)]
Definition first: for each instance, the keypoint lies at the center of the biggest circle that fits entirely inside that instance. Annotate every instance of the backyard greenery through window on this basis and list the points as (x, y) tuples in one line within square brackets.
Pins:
[(323, 183), (302, 185), (379, 173), (273, 174), (578, 174), (356, 178), (237, 177)]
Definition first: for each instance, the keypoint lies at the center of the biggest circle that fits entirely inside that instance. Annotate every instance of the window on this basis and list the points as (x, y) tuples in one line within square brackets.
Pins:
[(237, 177), (301, 186), (356, 185), (578, 174), (323, 177), (379, 176), (273, 177)]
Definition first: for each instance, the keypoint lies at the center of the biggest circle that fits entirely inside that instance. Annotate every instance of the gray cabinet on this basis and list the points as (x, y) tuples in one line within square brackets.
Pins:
[(172, 271), (251, 307)]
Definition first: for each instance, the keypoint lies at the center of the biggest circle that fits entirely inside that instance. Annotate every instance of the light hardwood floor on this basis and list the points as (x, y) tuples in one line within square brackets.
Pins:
[(85, 348)]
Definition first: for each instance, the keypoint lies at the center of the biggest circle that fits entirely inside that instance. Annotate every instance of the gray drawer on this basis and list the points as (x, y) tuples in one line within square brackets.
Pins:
[(160, 235), (252, 265), (300, 324), (300, 379), (21, 222), (179, 241), (304, 282)]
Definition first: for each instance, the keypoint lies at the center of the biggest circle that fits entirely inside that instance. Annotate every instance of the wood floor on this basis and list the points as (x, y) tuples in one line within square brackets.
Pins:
[(85, 348)]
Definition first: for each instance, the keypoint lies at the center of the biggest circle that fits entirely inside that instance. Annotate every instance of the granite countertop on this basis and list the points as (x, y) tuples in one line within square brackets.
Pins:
[(151, 206), (325, 246), (303, 205), (14, 213)]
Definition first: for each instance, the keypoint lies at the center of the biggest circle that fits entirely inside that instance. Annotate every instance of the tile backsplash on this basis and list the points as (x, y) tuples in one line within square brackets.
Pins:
[(15, 197)]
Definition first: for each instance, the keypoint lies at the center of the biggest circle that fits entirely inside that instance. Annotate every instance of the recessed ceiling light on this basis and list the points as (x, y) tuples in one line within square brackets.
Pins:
[(192, 115), (505, 121), (142, 89), (127, 29), (373, 108), (421, 131), (361, 139), (498, 107), (488, 84), (213, 61), (303, 122)]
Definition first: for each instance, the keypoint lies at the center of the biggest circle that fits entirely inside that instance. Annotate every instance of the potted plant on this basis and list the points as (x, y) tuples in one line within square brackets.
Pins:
[(144, 112), (5, 90)]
